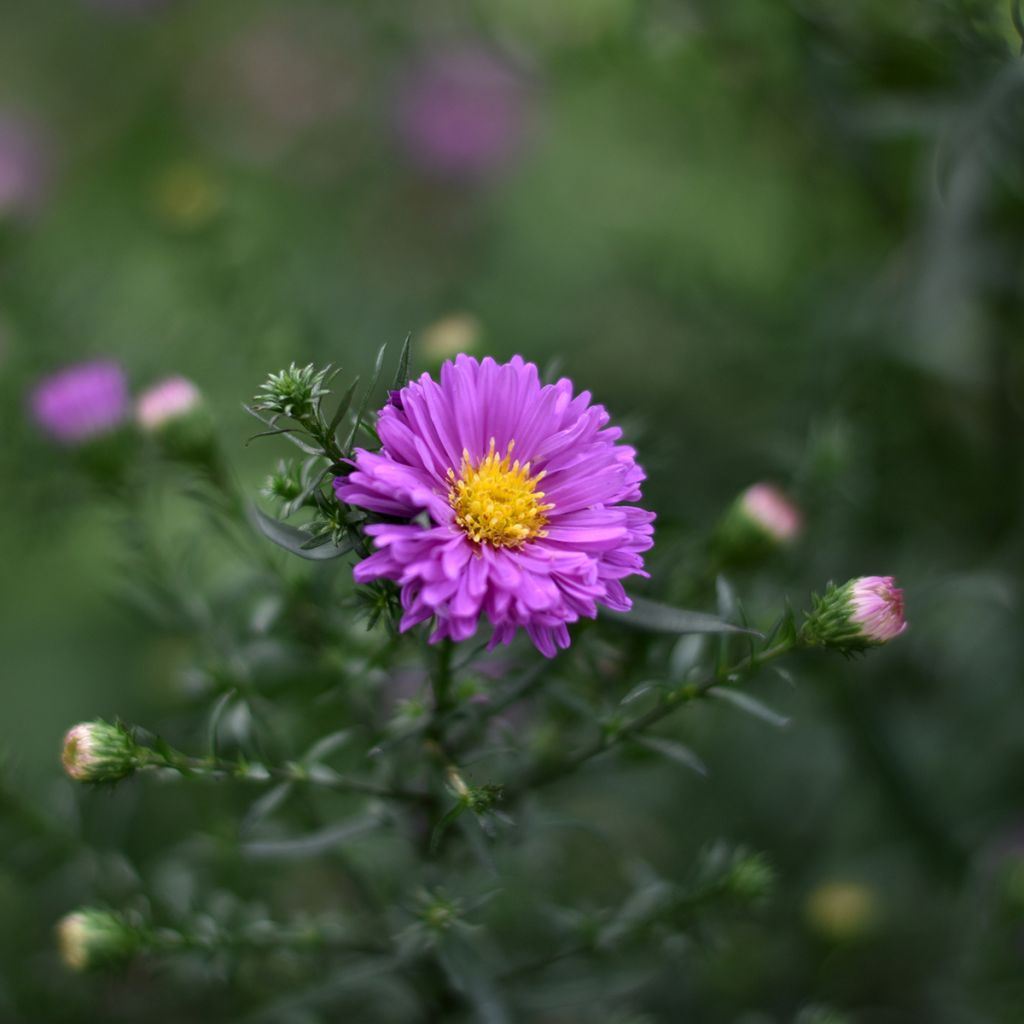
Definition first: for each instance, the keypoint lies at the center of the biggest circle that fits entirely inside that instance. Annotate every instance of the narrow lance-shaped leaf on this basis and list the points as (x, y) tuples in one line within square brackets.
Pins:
[(662, 618), (313, 843), (215, 718), (402, 373), (674, 751), (356, 423), (295, 540), (343, 406), (751, 705)]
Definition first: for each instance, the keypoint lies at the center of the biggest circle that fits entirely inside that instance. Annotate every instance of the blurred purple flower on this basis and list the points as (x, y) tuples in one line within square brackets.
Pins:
[(463, 113), (25, 165), (81, 401)]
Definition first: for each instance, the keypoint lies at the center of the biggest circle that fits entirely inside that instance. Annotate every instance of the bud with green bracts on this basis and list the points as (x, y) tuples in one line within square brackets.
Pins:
[(862, 613), (99, 752), (94, 940)]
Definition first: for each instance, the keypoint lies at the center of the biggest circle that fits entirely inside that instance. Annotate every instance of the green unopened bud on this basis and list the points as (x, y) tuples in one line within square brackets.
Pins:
[(752, 878), (99, 752), (93, 940), (862, 613), (295, 392), (285, 483)]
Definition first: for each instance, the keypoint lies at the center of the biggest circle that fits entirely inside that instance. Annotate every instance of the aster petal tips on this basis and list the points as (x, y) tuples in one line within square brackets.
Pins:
[(864, 612), (506, 500)]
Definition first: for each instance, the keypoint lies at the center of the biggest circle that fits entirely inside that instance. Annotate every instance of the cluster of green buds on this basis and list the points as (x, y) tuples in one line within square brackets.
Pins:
[(295, 392), (100, 752)]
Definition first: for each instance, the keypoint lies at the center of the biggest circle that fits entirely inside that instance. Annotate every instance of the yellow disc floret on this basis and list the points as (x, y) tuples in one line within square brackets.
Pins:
[(497, 502)]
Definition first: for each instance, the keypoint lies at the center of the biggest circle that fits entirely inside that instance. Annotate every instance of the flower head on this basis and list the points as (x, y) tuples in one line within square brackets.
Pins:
[(92, 939), (463, 113), (524, 488), (99, 752), (166, 402), (863, 612), (81, 402)]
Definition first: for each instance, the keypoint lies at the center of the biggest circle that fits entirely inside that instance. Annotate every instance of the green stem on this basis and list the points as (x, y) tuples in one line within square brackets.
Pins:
[(312, 939), (670, 701), (441, 681), (212, 768)]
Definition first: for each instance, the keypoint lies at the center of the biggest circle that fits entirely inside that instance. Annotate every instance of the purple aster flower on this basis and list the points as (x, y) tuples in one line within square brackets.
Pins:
[(524, 487), (82, 401), (463, 113)]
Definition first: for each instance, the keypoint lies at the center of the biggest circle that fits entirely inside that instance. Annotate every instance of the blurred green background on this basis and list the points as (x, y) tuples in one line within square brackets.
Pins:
[(780, 240)]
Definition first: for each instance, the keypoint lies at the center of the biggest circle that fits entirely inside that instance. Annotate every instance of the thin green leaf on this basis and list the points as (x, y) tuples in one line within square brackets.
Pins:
[(377, 367), (674, 751), (343, 406), (293, 539), (327, 745), (751, 705), (402, 373), (314, 843), (662, 618), (443, 825), (264, 806), (215, 717)]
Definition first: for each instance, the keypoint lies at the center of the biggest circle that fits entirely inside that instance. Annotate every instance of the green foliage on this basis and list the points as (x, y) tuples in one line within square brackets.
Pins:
[(780, 241)]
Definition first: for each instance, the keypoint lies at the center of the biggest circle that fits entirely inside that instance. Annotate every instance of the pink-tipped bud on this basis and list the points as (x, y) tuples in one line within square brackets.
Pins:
[(92, 940), (768, 509), (761, 520), (99, 752), (170, 400), (878, 608), (863, 612)]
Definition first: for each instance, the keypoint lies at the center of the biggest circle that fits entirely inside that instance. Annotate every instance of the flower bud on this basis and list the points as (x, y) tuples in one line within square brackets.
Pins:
[(91, 940), (295, 392), (760, 520), (862, 613), (99, 752), (170, 400), (173, 413), (752, 879)]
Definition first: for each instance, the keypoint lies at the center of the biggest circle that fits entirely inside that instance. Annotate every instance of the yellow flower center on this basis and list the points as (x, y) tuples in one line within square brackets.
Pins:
[(497, 501)]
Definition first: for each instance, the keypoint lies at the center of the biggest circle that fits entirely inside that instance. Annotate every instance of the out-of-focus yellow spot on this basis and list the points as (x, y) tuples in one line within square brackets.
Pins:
[(842, 911), (186, 196), (452, 334)]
